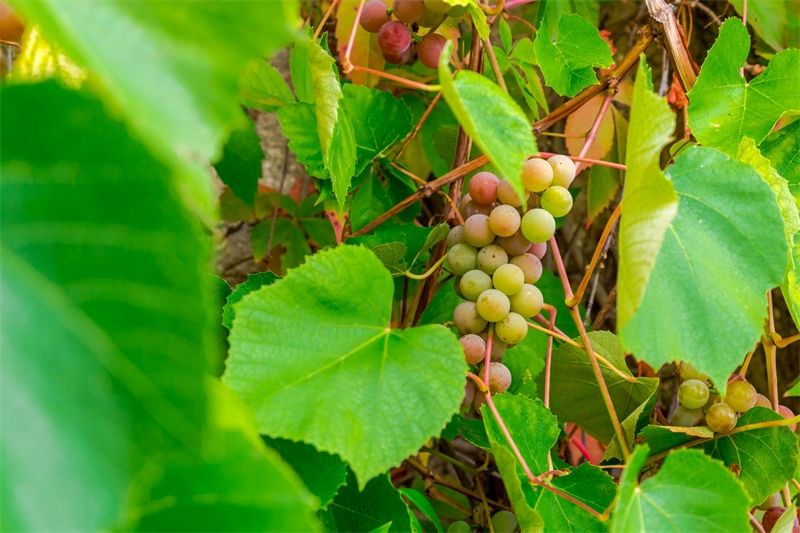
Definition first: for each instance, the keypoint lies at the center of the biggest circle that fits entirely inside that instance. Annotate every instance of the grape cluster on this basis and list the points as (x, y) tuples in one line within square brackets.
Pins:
[(397, 38), (773, 513), (496, 255)]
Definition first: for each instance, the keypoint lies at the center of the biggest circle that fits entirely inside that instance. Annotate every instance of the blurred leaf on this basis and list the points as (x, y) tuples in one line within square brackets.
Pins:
[(782, 148), (580, 122), (39, 60), (774, 21), (440, 308), (240, 166), (526, 362), (262, 87)]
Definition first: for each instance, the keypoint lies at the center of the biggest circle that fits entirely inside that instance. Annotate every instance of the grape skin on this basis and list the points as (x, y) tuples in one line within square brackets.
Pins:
[(374, 15), (563, 170), (490, 258), (504, 220), (557, 200), (461, 258), (493, 305), (693, 394), (721, 418), (787, 413), (499, 377), (528, 301), (512, 329), (409, 11), (763, 401), (538, 225), (530, 265), (469, 396), (539, 249), (508, 279), (394, 38), (459, 526), (430, 49), (504, 522), (741, 396), (472, 207), (473, 283), (474, 348), (686, 417), (516, 244), (688, 371), (507, 195), (455, 236), (467, 319), (477, 231), (537, 174), (483, 188)]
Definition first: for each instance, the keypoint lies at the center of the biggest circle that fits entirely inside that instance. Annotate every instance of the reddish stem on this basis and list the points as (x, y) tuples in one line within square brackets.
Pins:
[(549, 357), (347, 66), (581, 448), (587, 144)]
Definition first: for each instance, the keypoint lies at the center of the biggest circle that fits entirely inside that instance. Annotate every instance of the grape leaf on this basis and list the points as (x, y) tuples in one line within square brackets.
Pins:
[(773, 20), (365, 52), (367, 509), (690, 492), (240, 166), (262, 87), (794, 390), (661, 438), (586, 483), (782, 148), (253, 282), (296, 120), (421, 502), (526, 362), (313, 355), (723, 107)]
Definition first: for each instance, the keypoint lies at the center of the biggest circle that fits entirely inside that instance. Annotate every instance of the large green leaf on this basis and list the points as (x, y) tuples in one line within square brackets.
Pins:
[(491, 118), (314, 356), (586, 483), (723, 107), (721, 253), (691, 492), (376, 504), (253, 282)]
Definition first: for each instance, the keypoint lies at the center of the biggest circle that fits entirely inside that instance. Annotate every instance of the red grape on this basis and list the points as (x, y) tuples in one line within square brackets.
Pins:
[(374, 15), (771, 516), (474, 348), (409, 11), (483, 188), (430, 48), (401, 59), (499, 377), (394, 39), (539, 249), (530, 265)]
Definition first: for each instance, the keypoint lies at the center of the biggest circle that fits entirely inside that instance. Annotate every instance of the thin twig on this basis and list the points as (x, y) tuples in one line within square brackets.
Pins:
[(498, 74), (325, 18), (610, 225), (590, 138)]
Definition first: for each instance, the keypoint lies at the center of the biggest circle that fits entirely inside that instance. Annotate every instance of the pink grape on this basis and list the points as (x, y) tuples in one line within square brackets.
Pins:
[(483, 188), (530, 265), (763, 401), (474, 348), (409, 11), (469, 394), (467, 319), (477, 231), (516, 244), (539, 249), (512, 329), (507, 195), (471, 207), (537, 174), (504, 220), (394, 39), (499, 377), (430, 49), (374, 15), (787, 413), (490, 258)]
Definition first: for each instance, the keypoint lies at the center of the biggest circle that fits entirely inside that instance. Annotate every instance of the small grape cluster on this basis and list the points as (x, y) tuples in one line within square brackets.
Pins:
[(496, 255), (397, 37)]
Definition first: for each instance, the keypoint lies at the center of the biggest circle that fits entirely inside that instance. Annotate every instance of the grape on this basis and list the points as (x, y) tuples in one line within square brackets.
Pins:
[(409, 11), (459, 526), (539, 249), (498, 348), (516, 244), (537, 174), (785, 412), (512, 329), (479, 400), (528, 301), (439, 6), (399, 59), (530, 265), (394, 38), (686, 417), (763, 401), (693, 394), (538, 225), (504, 220), (431, 18), (504, 522), (490, 258), (771, 517), (455, 236), (473, 283), (483, 188), (477, 231), (774, 500), (741, 396), (430, 49), (472, 207), (469, 396), (461, 258), (508, 279), (493, 305), (563, 170), (499, 377), (688, 371), (474, 348), (557, 200), (507, 195), (721, 418), (374, 15), (467, 318)]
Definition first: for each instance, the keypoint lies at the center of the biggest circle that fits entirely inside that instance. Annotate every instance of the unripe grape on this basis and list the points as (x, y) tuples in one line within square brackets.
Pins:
[(409, 11), (473, 283), (455, 236), (516, 244), (477, 231), (374, 15), (483, 188), (693, 394), (490, 258), (741, 396), (459, 526), (461, 258), (557, 200), (507, 195), (688, 371), (467, 319), (684, 417), (394, 38), (430, 49), (469, 396), (508, 279), (539, 249), (504, 220), (537, 174), (538, 225), (528, 301), (431, 18), (492, 305), (504, 522), (439, 6), (787, 413), (499, 377), (763, 401), (474, 348), (530, 265), (721, 418), (512, 329), (563, 170), (771, 517)]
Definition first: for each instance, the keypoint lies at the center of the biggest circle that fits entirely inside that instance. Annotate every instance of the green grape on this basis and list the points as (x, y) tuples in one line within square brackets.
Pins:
[(530, 265), (528, 301), (741, 396), (687, 371), (684, 417), (721, 418), (440, 6), (473, 283), (459, 526), (461, 258), (474, 348), (516, 244), (763, 401), (477, 231), (499, 377), (508, 279), (507, 195), (504, 220), (538, 225), (490, 257), (537, 174), (693, 394), (493, 305), (563, 170), (455, 236), (504, 522), (467, 319), (431, 18), (512, 329), (557, 200)]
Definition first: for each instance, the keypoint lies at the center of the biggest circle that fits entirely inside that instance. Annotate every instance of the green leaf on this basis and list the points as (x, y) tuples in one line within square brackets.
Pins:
[(262, 87), (440, 308), (253, 282), (794, 390), (39, 60), (567, 49), (421, 502), (661, 438), (723, 107), (296, 122), (240, 166), (526, 362), (782, 148), (588, 484), (690, 492), (478, 17), (720, 200), (368, 509), (471, 429), (313, 355), (773, 20), (491, 118), (505, 34)]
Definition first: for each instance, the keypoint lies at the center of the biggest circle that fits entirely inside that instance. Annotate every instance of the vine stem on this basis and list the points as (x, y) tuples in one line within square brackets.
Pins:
[(662, 13), (498, 74), (549, 357), (415, 131), (781, 342), (598, 251), (756, 524), (590, 138), (770, 353), (427, 273), (325, 18)]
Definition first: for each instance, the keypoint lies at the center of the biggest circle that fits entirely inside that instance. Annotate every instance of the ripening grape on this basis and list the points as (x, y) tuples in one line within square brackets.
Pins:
[(492, 305), (512, 329), (504, 220), (771, 517), (537, 174), (508, 279), (401, 58), (477, 231), (473, 283), (455, 236), (563, 170), (686, 417), (773, 500), (498, 348), (430, 48), (483, 188), (479, 400), (472, 207), (741, 396), (688, 371), (528, 301), (431, 18), (469, 396), (693, 394), (507, 194), (459, 526), (530, 265), (474, 348), (461, 258), (516, 244), (374, 15), (439, 6), (409, 11), (539, 249), (785, 412), (490, 257), (763, 401), (467, 319), (538, 225), (499, 377), (394, 38), (557, 200), (721, 418), (504, 522)]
